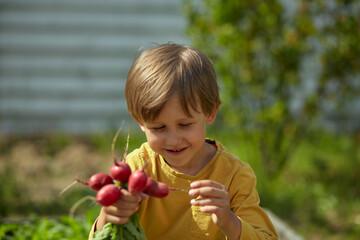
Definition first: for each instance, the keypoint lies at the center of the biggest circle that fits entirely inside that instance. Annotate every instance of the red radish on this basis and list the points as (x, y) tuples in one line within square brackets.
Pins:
[(120, 171), (156, 189), (108, 195), (162, 190), (151, 184), (137, 181), (97, 181)]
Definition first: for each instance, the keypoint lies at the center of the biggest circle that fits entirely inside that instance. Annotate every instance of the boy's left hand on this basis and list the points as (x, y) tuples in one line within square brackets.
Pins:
[(215, 200)]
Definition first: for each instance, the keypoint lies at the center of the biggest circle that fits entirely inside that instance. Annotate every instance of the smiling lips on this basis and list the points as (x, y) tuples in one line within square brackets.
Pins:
[(176, 151)]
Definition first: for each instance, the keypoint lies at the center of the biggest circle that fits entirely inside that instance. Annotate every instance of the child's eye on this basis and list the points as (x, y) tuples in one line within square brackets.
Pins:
[(158, 128), (185, 124)]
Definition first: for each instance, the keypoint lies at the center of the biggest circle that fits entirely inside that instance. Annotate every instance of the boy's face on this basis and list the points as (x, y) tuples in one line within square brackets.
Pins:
[(180, 139)]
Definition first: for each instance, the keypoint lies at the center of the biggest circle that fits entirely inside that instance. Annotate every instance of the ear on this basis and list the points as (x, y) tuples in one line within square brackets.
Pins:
[(211, 117), (141, 126)]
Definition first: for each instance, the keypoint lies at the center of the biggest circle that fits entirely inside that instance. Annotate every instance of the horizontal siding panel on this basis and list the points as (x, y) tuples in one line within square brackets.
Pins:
[(96, 19), (68, 125), (122, 25), (94, 6), (79, 64), (27, 71), (38, 88), (143, 29), (94, 45), (61, 84), (53, 107)]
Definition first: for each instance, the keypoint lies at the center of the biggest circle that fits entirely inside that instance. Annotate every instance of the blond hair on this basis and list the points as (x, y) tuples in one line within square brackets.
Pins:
[(170, 70)]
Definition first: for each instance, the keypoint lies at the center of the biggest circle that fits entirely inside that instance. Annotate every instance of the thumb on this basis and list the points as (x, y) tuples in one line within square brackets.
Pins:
[(144, 196)]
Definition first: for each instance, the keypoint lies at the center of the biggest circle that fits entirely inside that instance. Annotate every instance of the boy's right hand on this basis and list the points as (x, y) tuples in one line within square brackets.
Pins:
[(120, 212)]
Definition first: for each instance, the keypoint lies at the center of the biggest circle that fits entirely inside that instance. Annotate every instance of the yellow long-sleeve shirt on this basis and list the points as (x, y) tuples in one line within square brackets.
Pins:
[(173, 217)]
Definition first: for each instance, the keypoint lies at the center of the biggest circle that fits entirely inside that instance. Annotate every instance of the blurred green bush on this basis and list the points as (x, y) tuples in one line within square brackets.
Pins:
[(286, 67), (281, 65)]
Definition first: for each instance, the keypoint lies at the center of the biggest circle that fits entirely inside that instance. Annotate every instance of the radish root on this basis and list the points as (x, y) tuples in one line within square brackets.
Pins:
[(68, 187), (114, 141), (127, 146), (178, 189), (78, 203)]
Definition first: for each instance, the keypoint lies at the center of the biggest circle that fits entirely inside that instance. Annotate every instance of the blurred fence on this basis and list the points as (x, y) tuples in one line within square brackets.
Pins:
[(63, 63)]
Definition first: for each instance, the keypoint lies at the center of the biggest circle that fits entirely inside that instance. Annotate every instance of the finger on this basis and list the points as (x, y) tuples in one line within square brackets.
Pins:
[(206, 183), (121, 205), (210, 209), (116, 219), (126, 196), (144, 196), (217, 213), (127, 200), (120, 211), (209, 202), (209, 192)]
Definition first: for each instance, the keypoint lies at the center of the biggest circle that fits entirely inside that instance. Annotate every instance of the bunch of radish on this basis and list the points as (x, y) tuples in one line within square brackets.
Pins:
[(109, 187), (109, 191)]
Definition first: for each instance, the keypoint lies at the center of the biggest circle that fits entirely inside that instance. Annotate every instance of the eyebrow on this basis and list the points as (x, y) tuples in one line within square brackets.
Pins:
[(179, 120)]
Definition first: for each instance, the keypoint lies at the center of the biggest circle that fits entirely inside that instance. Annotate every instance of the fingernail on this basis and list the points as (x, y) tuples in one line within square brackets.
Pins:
[(193, 184), (191, 192), (192, 201)]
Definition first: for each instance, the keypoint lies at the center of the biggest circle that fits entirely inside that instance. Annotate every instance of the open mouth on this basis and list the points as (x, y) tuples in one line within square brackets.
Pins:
[(176, 151)]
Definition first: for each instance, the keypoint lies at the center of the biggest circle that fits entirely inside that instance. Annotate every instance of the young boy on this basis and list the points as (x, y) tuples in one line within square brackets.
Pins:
[(172, 93)]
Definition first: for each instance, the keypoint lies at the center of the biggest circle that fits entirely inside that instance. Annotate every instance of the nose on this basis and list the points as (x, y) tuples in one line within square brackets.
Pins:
[(173, 137)]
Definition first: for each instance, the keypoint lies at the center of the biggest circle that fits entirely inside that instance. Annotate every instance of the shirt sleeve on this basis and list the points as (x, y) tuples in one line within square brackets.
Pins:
[(92, 231), (245, 204)]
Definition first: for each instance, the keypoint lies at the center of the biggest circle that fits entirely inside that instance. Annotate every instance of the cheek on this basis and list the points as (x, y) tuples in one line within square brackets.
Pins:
[(153, 139), (197, 133)]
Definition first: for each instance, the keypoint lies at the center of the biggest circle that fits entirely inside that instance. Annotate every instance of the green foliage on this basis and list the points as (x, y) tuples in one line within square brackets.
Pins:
[(266, 53), (131, 230), (47, 228)]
